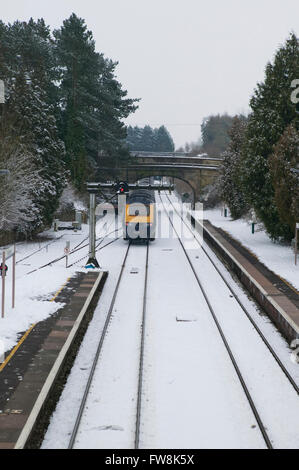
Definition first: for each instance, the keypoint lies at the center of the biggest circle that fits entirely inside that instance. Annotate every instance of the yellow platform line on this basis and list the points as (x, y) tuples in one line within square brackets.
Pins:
[(28, 331), (16, 347)]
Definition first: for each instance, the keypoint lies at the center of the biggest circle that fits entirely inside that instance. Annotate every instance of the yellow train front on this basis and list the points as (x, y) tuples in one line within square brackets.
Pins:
[(139, 222)]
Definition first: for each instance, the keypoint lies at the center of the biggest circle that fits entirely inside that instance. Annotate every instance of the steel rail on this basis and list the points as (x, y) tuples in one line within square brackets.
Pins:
[(40, 249), (256, 327), (71, 253), (229, 351), (97, 249), (141, 360), (97, 354)]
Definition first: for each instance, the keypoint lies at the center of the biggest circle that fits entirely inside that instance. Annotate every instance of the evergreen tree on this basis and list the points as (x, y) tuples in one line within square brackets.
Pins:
[(113, 106), (59, 93), (272, 112), (215, 134), (92, 101), (27, 52), (230, 185), (77, 64), (285, 182), (163, 140), (18, 208), (148, 139)]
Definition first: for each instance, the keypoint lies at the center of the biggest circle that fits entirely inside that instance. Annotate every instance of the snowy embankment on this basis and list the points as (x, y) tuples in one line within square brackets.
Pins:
[(278, 258)]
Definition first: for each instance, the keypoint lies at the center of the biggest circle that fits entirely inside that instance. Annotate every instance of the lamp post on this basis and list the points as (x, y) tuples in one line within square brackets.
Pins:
[(92, 227)]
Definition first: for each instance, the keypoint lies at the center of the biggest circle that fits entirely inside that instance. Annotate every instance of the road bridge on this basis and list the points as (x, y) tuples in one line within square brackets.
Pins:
[(198, 172)]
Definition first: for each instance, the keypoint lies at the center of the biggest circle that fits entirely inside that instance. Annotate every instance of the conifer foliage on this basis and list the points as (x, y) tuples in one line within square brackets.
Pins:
[(284, 180), (272, 113), (28, 123), (230, 184), (215, 134), (91, 100), (147, 139), (63, 109), (260, 166)]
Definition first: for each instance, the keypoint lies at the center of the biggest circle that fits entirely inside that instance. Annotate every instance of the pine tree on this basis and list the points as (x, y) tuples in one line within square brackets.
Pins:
[(27, 51), (284, 180), (77, 63), (18, 208), (163, 140), (59, 93), (230, 185), (272, 112), (148, 139), (112, 107), (215, 134), (92, 101)]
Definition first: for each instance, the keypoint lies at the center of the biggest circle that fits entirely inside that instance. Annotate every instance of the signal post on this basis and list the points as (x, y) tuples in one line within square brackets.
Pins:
[(121, 188)]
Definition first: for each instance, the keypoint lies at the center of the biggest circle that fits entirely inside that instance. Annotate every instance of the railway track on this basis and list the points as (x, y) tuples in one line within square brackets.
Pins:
[(100, 347), (211, 370), (76, 249), (40, 249), (237, 298), (251, 402)]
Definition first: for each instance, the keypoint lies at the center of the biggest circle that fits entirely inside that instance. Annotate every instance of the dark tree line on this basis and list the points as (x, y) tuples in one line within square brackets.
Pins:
[(64, 108), (214, 136), (148, 139)]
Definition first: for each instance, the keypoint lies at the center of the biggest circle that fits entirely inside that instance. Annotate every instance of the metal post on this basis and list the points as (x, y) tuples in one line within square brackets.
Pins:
[(296, 242), (92, 230), (14, 277), (3, 282), (67, 251)]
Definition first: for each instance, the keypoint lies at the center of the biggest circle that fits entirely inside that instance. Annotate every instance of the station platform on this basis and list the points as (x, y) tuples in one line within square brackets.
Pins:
[(275, 295), (41, 359)]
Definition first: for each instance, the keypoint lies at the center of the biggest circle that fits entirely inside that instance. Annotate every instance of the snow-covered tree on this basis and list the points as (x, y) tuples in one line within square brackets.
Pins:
[(92, 102), (18, 208), (285, 182), (230, 185), (29, 113), (272, 112)]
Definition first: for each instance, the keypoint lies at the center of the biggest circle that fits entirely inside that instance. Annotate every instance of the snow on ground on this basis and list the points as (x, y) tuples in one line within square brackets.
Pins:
[(34, 291), (278, 258), (188, 400), (191, 397), (62, 421)]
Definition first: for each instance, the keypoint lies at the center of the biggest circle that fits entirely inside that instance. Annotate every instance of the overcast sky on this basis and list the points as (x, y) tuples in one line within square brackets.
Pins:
[(186, 59)]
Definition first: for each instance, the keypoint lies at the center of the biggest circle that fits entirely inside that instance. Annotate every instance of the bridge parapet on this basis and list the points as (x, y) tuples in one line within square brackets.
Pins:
[(198, 172), (175, 157)]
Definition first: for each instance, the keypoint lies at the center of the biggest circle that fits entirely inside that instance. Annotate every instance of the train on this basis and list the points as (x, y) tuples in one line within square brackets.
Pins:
[(139, 220)]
